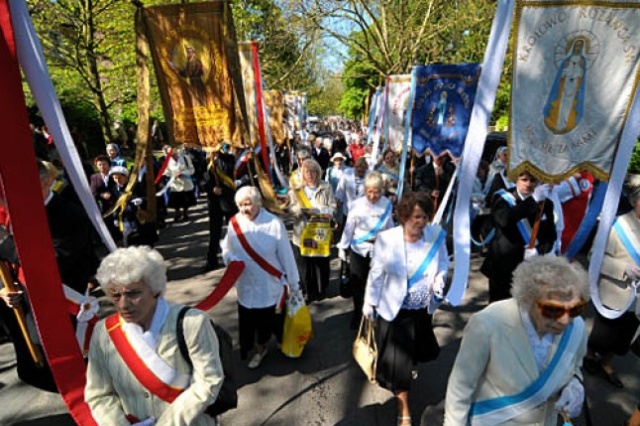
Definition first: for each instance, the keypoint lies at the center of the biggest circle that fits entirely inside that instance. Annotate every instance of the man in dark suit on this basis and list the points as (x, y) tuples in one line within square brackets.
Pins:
[(514, 213), (321, 154), (220, 188)]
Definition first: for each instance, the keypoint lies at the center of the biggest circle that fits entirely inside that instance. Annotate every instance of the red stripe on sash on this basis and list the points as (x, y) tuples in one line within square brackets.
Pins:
[(227, 281), (137, 366), (268, 268), (31, 233)]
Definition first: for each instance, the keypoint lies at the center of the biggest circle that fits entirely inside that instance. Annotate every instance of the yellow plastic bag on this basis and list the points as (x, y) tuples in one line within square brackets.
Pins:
[(297, 326), (315, 240)]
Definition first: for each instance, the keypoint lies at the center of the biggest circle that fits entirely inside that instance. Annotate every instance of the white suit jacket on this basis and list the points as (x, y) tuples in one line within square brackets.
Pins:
[(112, 391), (388, 276), (495, 359)]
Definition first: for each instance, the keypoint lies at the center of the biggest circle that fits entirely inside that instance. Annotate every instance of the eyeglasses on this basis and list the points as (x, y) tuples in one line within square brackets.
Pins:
[(556, 311)]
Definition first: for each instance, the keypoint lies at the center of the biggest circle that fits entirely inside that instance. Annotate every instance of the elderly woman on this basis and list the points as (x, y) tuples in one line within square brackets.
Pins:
[(182, 195), (312, 204), (519, 361), (408, 268), (389, 167), (620, 269), (370, 215), (136, 374), (113, 152), (259, 238)]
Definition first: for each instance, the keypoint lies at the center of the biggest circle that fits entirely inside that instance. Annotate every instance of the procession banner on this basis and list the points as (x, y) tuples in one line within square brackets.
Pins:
[(399, 87), (442, 109), (294, 111), (575, 70), (245, 53), (275, 106), (195, 57), (371, 121)]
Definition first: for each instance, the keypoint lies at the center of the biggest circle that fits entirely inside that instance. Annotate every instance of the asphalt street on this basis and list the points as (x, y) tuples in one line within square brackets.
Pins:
[(324, 386)]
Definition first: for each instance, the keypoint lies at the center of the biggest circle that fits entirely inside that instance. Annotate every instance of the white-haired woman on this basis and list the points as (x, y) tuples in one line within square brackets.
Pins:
[(259, 238), (368, 216), (136, 374), (312, 204), (519, 361)]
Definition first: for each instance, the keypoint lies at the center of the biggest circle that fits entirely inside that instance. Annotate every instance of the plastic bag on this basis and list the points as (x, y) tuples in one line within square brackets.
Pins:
[(297, 326)]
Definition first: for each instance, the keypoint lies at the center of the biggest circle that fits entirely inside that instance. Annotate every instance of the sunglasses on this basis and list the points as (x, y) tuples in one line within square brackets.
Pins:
[(556, 311)]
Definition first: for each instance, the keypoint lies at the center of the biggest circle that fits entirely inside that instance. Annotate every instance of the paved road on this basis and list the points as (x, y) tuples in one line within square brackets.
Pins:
[(324, 386)]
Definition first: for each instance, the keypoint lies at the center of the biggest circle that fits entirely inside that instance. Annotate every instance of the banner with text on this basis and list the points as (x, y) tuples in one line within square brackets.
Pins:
[(442, 109), (195, 54), (575, 70)]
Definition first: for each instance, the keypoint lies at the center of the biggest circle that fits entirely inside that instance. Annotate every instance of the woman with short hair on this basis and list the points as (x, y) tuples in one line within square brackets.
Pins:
[(408, 269), (259, 239), (519, 361), (312, 204)]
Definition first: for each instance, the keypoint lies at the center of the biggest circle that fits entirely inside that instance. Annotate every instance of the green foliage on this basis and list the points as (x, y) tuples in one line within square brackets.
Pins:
[(634, 162)]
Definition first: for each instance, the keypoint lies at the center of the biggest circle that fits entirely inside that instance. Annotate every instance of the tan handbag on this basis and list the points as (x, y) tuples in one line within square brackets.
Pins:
[(365, 350)]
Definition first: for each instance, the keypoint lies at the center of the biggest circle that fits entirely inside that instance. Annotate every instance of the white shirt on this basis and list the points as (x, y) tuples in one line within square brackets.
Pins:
[(363, 217), (267, 235), (540, 346), (350, 187)]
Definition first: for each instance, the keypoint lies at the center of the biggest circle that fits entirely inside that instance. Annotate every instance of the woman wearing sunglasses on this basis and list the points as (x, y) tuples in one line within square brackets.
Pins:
[(519, 360)]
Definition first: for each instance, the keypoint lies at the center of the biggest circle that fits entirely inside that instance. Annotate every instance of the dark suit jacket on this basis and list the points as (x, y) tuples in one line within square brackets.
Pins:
[(506, 250), (323, 158), (71, 233)]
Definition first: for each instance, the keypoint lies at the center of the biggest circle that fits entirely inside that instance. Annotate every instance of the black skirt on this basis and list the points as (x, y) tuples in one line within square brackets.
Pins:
[(402, 344), (182, 199), (613, 335)]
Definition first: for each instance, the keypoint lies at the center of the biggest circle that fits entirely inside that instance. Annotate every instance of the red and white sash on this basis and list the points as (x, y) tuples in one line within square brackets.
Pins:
[(261, 261), (146, 365), (85, 308)]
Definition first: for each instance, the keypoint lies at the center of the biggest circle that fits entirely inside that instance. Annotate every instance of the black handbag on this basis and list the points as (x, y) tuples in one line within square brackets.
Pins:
[(228, 395), (345, 287)]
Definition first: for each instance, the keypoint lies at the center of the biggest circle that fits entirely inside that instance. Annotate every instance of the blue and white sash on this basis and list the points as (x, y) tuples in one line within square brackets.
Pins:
[(523, 224), (434, 241), (498, 410), (628, 239), (374, 231)]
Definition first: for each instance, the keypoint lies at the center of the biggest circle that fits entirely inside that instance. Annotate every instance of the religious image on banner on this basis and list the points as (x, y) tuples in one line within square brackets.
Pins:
[(293, 111), (399, 89), (444, 96), (245, 51), (193, 48), (275, 106), (575, 70)]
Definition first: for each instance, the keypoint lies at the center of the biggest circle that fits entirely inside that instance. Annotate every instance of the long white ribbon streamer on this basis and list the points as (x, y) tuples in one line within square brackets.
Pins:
[(34, 67), (474, 144), (607, 216)]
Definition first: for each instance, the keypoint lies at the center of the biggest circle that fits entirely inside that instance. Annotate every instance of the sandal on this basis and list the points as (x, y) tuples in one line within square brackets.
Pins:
[(404, 420)]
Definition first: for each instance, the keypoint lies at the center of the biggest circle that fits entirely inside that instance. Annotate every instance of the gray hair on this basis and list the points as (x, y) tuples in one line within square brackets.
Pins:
[(634, 196), (130, 265), (311, 164), (548, 274), (374, 180), (248, 192)]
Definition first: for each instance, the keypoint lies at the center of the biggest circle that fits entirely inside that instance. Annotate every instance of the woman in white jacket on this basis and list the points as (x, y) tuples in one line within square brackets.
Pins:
[(408, 269)]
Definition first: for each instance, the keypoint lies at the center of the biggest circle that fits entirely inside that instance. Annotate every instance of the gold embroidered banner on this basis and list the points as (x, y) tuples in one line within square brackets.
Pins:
[(575, 70), (195, 56), (275, 105)]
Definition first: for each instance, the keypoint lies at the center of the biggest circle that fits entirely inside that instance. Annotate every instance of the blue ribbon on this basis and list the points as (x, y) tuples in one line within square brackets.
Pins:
[(427, 260), (488, 405), (588, 221), (371, 234)]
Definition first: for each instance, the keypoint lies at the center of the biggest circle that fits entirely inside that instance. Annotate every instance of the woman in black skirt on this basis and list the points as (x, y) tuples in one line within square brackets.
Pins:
[(408, 269)]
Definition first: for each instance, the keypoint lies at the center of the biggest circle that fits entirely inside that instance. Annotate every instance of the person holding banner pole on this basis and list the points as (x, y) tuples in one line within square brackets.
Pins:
[(408, 270), (369, 216), (519, 360), (515, 213), (259, 238), (619, 276)]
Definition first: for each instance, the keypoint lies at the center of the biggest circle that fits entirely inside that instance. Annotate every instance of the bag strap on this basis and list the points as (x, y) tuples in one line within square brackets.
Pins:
[(182, 344)]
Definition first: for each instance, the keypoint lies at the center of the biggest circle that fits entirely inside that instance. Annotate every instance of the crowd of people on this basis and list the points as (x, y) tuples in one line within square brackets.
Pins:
[(520, 359)]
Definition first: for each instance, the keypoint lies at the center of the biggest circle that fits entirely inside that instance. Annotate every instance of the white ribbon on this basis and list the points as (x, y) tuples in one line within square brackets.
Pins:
[(34, 67), (472, 152)]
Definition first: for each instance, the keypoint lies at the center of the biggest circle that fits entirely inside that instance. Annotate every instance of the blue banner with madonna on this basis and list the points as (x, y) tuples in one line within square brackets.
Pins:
[(444, 96)]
